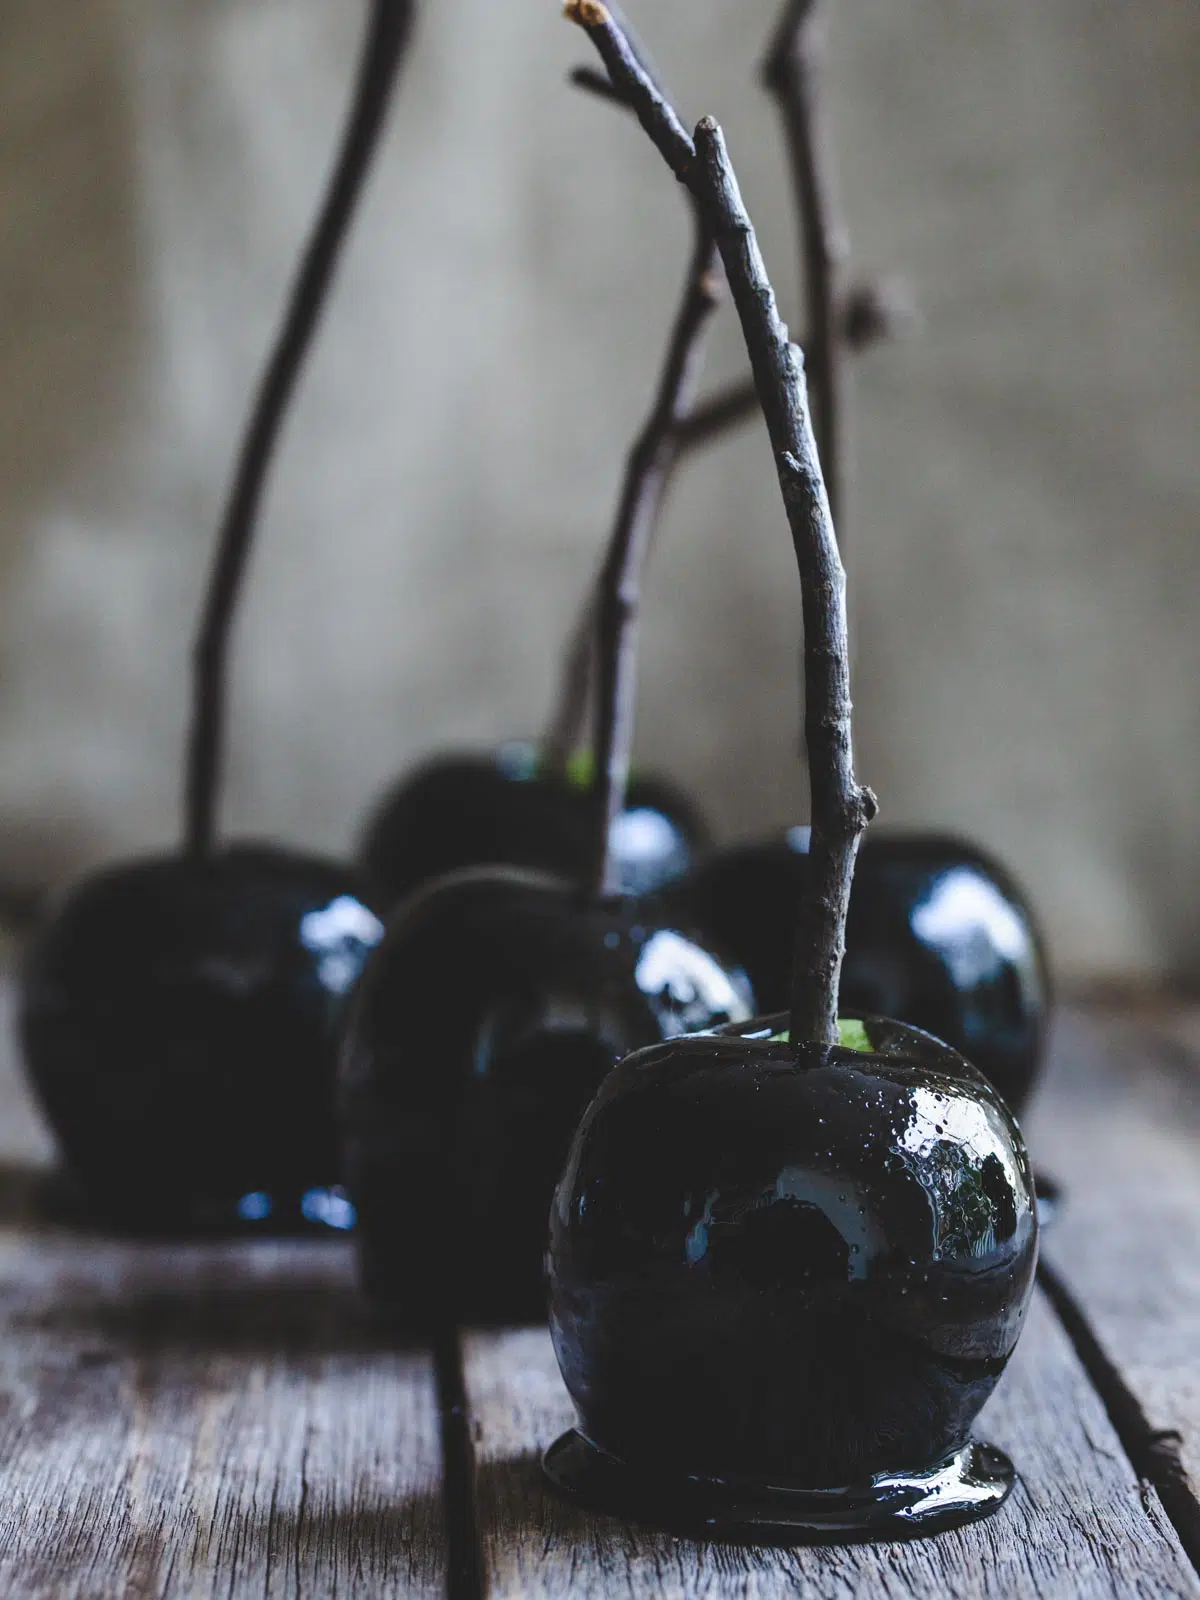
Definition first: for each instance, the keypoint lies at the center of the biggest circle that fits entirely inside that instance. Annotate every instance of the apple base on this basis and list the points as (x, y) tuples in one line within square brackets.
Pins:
[(964, 1487)]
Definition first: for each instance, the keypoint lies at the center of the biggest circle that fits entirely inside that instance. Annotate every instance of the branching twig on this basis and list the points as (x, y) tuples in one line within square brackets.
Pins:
[(382, 54), (855, 321), (790, 73), (871, 313), (651, 465), (841, 808)]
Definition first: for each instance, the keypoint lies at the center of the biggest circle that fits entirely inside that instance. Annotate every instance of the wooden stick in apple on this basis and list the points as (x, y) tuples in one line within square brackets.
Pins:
[(384, 48), (841, 807)]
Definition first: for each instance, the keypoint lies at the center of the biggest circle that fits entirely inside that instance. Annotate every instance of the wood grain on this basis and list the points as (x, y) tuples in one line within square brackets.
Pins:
[(1079, 1524), (203, 1420), (198, 1419), (1117, 1121)]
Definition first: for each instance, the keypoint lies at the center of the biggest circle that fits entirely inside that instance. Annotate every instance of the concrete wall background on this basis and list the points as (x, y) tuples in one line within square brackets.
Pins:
[(1025, 495)]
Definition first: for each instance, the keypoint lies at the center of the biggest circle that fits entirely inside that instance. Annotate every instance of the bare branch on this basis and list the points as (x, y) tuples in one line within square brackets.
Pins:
[(841, 808), (791, 74), (383, 52), (565, 727), (865, 315), (650, 468), (870, 313), (619, 597)]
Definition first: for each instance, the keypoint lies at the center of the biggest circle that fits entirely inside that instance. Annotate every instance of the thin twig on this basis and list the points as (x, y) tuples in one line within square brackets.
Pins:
[(871, 312), (569, 712), (383, 51), (791, 73), (841, 808), (618, 601), (651, 466), (853, 321)]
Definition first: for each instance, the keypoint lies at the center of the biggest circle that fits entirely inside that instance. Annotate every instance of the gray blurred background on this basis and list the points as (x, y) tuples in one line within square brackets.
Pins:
[(1024, 493)]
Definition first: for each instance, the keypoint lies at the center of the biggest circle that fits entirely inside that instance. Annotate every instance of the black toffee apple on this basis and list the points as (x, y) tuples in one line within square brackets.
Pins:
[(788, 1262), (781, 1272), (510, 807), (485, 1023), (180, 1020), (179, 1015), (500, 999), (938, 934)]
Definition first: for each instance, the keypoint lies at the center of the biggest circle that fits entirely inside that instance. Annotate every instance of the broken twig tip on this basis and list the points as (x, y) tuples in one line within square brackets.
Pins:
[(587, 13)]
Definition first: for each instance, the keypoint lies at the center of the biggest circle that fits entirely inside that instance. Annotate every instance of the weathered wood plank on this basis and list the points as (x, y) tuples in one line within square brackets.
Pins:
[(198, 1419), (1117, 1121), (1079, 1524), (207, 1420)]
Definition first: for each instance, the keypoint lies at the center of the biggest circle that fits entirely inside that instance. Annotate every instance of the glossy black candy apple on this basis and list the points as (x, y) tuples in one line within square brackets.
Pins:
[(938, 934), (502, 808), (179, 1021), (783, 1282), (484, 1025)]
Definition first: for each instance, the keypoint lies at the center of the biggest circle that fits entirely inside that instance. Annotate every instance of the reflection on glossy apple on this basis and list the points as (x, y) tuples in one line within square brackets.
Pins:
[(179, 1021), (486, 1022), (939, 935), (502, 809)]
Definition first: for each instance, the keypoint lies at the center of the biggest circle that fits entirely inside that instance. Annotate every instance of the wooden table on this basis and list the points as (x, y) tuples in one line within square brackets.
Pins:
[(218, 1419)]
